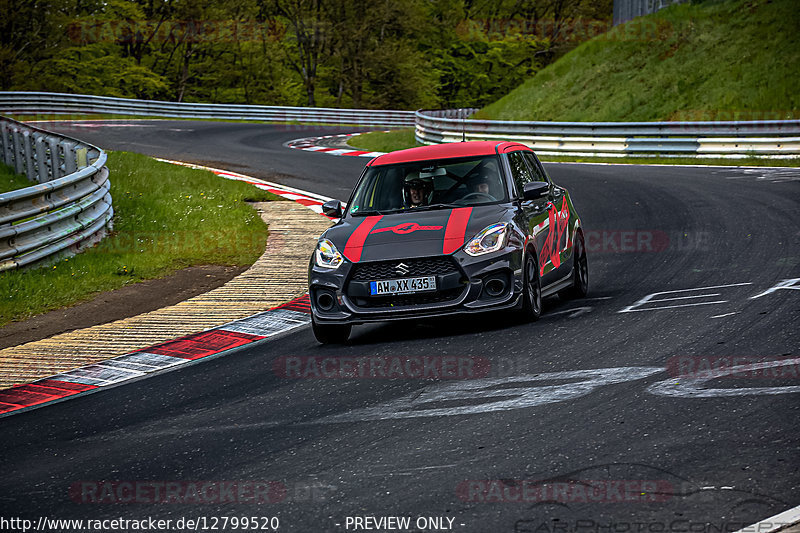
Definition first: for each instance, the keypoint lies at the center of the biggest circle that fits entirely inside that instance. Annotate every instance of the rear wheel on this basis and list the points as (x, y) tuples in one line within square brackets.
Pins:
[(532, 293), (580, 272), (330, 333)]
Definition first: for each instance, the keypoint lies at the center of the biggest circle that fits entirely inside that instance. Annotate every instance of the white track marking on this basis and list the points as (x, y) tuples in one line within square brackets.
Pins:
[(692, 387), (790, 284), (497, 394), (650, 298), (775, 523)]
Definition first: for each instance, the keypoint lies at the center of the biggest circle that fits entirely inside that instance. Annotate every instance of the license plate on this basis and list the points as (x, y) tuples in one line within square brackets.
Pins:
[(403, 286)]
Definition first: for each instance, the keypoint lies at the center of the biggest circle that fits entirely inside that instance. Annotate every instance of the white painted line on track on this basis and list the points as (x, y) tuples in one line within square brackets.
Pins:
[(775, 523), (726, 314), (649, 298)]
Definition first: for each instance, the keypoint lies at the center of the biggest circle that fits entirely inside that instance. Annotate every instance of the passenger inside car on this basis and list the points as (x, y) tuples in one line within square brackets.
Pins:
[(417, 191)]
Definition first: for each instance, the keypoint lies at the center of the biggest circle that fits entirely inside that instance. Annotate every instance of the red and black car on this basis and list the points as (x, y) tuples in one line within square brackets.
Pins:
[(451, 228)]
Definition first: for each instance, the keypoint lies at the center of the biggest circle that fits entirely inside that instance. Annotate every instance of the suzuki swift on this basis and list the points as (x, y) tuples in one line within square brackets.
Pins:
[(445, 229)]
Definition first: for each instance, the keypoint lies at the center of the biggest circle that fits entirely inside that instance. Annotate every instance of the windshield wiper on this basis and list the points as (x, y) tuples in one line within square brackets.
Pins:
[(365, 213), (372, 212), (437, 206)]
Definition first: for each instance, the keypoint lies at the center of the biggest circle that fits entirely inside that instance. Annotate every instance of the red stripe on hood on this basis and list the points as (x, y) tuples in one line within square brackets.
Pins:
[(355, 244), (456, 229)]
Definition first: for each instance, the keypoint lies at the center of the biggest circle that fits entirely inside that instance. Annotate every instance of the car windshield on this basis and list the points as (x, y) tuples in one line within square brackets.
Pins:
[(439, 184)]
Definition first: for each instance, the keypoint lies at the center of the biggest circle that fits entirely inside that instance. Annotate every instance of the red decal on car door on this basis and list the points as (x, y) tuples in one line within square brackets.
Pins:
[(355, 244), (551, 251), (456, 229)]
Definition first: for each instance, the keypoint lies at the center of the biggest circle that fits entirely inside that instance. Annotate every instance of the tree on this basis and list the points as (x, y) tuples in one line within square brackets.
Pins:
[(308, 45)]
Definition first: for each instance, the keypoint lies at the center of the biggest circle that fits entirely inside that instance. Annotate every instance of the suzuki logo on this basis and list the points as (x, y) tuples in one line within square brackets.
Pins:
[(402, 269)]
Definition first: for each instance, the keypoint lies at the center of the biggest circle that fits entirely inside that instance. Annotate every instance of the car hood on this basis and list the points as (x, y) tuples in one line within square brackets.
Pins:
[(411, 234)]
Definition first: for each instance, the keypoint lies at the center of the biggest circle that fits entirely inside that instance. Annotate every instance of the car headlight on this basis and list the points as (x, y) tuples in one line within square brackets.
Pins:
[(489, 239), (327, 255)]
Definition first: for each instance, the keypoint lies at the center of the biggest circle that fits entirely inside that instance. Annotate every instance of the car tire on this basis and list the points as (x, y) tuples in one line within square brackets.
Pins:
[(532, 292), (331, 333), (580, 273)]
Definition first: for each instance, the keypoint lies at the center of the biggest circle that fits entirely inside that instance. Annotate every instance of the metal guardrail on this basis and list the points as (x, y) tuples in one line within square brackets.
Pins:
[(763, 138), (69, 208), (40, 102), (625, 10)]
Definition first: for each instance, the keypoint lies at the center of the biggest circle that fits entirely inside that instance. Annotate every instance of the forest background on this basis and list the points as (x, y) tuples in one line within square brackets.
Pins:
[(374, 54)]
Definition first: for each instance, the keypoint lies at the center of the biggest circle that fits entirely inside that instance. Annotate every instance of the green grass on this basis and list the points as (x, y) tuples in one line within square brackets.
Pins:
[(379, 141), (167, 217), (715, 60), (10, 180)]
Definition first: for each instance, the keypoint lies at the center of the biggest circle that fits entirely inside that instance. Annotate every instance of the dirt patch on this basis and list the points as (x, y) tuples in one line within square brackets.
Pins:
[(130, 300)]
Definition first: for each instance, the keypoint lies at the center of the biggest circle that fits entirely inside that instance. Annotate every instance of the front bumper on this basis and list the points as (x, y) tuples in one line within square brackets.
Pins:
[(472, 284)]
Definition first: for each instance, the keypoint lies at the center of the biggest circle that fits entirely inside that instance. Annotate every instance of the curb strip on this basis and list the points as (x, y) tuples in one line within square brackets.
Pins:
[(309, 144), (212, 342), (310, 200), (134, 365)]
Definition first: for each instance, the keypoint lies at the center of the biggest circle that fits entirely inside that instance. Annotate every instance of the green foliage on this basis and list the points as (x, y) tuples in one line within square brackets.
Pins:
[(166, 217), (338, 53), (479, 70), (10, 180), (729, 60), (73, 69)]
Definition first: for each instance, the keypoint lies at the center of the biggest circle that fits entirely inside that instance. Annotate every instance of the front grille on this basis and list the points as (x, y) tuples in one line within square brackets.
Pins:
[(380, 270), (402, 300)]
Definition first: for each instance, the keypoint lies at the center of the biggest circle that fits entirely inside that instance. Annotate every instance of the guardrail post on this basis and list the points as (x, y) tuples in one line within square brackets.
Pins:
[(45, 173), (55, 158), (30, 166), (5, 145), (19, 162), (70, 157)]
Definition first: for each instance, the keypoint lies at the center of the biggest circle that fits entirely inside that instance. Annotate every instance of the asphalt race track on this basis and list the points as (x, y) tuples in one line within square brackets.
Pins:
[(580, 424)]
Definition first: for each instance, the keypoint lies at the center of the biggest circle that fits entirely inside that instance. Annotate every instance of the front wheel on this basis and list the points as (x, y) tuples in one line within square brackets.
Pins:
[(532, 292), (580, 273), (330, 333)]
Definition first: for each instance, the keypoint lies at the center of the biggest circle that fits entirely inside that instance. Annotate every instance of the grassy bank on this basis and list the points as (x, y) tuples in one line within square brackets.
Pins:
[(713, 60), (380, 141), (166, 218), (717, 60), (10, 181)]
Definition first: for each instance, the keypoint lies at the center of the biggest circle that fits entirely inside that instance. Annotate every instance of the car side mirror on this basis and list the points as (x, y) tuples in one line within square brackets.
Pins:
[(535, 190), (333, 209)]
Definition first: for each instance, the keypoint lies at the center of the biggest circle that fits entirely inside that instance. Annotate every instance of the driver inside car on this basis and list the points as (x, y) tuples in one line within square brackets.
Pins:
[(481, 185), (417, 191)]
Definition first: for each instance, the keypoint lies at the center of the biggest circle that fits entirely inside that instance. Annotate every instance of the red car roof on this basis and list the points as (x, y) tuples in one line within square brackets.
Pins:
[(447, 151)]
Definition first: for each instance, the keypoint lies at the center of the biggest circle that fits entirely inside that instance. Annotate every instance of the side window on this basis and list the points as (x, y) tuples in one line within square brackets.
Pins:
[(538, 171), (519, 171)]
